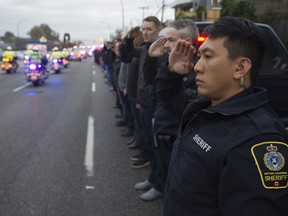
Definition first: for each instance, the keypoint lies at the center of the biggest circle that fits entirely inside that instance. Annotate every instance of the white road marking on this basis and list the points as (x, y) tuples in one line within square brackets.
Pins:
[(21, 87), (93, 87), (89, 153), (93, 72), (88, 187)]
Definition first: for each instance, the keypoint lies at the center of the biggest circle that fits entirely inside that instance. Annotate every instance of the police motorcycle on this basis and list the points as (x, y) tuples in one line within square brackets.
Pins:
[(56, 65), (65, 62), (35, 73), (56, 61), (9, 61), (8, 65), (65, 57)]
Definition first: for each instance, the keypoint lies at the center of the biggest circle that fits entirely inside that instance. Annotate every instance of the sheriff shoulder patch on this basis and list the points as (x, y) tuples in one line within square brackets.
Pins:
[(270, 161)]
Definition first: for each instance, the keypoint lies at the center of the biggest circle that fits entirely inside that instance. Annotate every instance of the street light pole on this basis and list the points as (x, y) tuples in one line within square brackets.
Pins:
[(143, 8), (17, 41), (108, 29), (22, 20), (123, 25)]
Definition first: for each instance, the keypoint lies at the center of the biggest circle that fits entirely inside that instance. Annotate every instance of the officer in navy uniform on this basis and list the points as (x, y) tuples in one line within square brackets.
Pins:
[(172, 90), (231, 152)]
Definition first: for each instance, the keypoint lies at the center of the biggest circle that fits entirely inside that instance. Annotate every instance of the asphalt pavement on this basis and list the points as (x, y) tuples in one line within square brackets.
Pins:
[(60, 153)]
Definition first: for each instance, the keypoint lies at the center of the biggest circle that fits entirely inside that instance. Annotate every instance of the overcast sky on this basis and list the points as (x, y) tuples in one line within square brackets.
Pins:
[(84, 19)]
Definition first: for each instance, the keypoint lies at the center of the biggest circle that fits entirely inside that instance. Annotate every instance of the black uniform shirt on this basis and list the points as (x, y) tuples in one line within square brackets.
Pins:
[(173, 91), (230, 160)]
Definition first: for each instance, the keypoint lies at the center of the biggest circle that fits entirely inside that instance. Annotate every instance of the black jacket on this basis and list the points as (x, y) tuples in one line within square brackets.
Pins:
[(172, 91), (229, 160), (132, 78), (143, 89), (116, 70)]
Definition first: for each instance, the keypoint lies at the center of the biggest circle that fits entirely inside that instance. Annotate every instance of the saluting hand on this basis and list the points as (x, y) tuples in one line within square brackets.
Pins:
[(181, 57), (157, 48), (134, 32)]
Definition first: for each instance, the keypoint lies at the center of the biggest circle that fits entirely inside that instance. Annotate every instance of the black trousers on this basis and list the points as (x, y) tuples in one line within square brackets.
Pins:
[(165, 145)]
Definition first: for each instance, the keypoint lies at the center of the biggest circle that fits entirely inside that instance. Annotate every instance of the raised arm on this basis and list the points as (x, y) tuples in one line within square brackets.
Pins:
[(157, 48), (181, 58)]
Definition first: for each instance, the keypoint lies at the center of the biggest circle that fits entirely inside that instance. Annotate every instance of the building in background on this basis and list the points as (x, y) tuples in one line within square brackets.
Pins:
[(281, 6), (188, 8)]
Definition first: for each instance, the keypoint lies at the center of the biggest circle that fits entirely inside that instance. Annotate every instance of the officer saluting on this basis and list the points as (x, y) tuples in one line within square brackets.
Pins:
[(231, 153)]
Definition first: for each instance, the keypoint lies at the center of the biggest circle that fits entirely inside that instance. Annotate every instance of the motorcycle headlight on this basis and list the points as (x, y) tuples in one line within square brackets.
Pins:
[(5, 59), (32, 66)]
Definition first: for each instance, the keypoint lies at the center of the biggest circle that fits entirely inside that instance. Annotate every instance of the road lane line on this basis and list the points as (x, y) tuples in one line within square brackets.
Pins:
[(21, 87), (93, 72), (93, 87), (89, 153)]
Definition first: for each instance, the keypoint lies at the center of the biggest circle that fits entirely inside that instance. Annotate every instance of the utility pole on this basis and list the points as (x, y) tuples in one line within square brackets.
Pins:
[(123, 24), (163, 7), (162, 11), (143, 8)]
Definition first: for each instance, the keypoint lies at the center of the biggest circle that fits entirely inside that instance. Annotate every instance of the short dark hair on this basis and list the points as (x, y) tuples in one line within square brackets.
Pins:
[(244, 38), (153, 19)]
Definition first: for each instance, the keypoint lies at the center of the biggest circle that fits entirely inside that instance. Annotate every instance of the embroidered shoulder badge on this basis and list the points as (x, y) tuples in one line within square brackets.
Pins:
[(270, 161)]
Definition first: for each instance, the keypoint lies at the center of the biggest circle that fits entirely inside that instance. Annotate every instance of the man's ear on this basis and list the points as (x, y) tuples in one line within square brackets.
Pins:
[(242, 68)]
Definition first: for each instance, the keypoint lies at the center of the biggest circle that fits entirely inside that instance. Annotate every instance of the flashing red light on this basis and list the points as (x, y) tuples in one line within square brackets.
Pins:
[(201, 39)]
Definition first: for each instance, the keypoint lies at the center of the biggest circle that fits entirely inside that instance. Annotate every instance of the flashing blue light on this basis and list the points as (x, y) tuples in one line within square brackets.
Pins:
[(32, 66), (31, 93)]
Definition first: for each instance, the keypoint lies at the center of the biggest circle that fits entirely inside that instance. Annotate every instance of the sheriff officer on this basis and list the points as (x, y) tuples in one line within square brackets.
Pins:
[(231, 153)]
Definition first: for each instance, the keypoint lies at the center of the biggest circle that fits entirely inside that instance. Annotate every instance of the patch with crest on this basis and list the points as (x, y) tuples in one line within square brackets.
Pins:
[(270, 158)]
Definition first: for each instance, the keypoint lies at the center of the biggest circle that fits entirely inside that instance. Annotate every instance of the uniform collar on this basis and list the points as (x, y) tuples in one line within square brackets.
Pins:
[(248, 99)]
